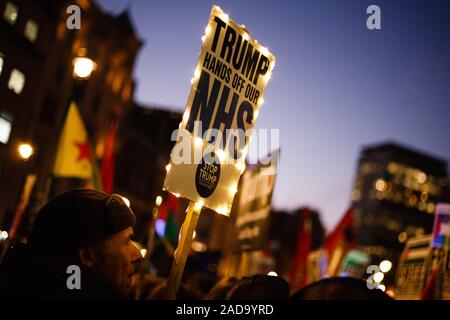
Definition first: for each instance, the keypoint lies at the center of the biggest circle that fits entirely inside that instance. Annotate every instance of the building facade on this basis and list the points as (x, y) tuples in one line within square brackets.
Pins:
[(143, 150), (394, 197), (37, 83)]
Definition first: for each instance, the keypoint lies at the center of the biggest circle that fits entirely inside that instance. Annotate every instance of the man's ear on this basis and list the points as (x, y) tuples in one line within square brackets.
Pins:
[(86, 256)]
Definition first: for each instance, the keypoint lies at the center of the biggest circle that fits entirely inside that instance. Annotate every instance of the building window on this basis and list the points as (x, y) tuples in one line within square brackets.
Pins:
[(5, 127), (2, 59), (31, 30), (10, 13), (126, 92), (16, 81), (117, 83)]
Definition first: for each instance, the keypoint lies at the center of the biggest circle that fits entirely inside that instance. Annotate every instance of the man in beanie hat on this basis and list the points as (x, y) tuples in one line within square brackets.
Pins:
[(82, 228)]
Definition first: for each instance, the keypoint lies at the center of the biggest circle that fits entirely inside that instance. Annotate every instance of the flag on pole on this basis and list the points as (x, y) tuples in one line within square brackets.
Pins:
[(20, 211), (167, 219), (339, 241), (108, 164), (74, 157), (96, 179), (430, 289)]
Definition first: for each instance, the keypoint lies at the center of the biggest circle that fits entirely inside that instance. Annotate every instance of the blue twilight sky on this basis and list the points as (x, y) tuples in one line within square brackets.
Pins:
[(336, 87)]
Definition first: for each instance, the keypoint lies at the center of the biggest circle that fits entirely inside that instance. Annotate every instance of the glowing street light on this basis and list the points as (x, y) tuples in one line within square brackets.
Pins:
[(378, 277), (83, 67), (381, 185), (3, 235), (385, 266), (382, 287), (25, 151)]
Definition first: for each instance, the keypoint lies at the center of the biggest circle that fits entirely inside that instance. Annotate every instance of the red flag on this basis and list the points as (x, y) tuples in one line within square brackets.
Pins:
[(169, 213), (339, 241), (108, 164), (429, 291), (298, 271), (342, 234), (171, 204)]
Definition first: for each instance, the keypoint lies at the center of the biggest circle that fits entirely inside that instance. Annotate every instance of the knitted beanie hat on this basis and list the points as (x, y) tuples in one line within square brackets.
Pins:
[(77, 218)]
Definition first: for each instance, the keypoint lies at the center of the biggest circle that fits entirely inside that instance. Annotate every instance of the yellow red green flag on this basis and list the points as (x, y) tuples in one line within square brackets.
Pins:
[(73, 158)]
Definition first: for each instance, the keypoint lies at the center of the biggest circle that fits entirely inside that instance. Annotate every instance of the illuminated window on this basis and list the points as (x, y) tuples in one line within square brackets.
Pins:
[(1, 62), (366, 168), (422, 206), (117, 83), (392, 167), (402, 237), (126, 93), (16, 81), (31, 30), (421, 177), (423, 196), (356, 195), (412, 200), (5, 127), (10, 13), (380, 185)]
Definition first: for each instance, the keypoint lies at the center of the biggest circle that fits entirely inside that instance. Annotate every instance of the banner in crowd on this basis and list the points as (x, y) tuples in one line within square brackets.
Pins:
[(412, 268), (253, 212), (224, 102)]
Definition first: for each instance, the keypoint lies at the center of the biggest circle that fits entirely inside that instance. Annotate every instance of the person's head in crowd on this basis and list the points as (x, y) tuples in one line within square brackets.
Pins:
[(93, 226), (339, 288), (220, 290), (259, 287), (83, 227)]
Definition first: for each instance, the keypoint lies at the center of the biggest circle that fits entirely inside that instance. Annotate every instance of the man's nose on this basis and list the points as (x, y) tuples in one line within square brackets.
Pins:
[(136, 255)]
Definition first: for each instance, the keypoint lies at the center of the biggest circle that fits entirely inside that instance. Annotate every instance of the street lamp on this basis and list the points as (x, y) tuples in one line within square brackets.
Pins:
[(385, 266), (25, 151), (83, 67)]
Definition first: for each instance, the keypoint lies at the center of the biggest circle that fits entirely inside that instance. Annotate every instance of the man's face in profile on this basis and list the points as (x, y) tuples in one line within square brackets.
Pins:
[(115, 259)]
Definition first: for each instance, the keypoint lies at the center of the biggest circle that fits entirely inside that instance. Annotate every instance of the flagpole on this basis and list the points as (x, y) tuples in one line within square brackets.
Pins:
[(43, 195), (49, 183), (182, 251), (20, 211), (49, 188), (96, 179), (71, 97), (151, 234), (145, 263)]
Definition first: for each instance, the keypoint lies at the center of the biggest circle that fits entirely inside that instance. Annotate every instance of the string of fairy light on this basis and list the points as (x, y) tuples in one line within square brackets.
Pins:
[(198, 142)]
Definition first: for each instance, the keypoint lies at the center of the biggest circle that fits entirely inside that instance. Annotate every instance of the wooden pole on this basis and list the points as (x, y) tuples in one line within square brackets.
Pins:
[(182, 251), (244, 264), (19, 213)]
